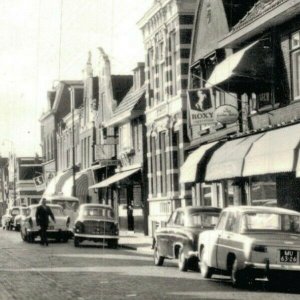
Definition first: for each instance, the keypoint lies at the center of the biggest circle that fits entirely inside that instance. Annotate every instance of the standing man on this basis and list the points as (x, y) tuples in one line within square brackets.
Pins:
[(42, 219)]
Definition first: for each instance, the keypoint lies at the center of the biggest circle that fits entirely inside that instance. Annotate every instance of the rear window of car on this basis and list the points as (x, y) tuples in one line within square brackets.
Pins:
[(203, 220), (67, 204), (271, 221), (98, 212), (15, 211)]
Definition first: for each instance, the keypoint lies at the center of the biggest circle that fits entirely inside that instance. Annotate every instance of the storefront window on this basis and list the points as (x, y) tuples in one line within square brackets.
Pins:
[(207, 195), (263, 190), (229, 192)]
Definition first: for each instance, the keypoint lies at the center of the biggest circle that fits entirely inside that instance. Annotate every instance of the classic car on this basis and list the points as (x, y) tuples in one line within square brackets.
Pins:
[(16, 222), (8, 219), (179, 238), (60, 230), (96, 222), (251, 242)]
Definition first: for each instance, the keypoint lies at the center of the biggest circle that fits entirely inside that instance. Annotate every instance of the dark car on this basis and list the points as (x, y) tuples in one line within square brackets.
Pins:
[(96, 222), (179, 238)]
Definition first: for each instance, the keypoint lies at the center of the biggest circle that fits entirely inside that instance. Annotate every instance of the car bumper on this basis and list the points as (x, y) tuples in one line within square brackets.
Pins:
[(58, 231), (267, 267), (93, 236)]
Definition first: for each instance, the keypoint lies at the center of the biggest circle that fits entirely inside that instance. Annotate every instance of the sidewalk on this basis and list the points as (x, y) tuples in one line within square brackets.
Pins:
[(136, 241)]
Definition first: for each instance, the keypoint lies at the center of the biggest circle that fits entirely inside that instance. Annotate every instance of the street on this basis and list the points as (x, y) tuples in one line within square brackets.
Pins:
[(30, 271)]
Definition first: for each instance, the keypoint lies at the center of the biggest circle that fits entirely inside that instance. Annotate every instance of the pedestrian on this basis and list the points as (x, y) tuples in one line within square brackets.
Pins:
[(43, 212)]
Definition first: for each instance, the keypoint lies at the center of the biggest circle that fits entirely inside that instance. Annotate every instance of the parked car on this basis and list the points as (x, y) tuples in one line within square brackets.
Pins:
[(96, 222), (179, 238), (8, 219), (16, 222), (60, 230), (251, 242)]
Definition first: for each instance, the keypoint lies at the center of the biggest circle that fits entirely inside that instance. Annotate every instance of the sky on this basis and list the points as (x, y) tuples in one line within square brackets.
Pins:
[(43, 41)]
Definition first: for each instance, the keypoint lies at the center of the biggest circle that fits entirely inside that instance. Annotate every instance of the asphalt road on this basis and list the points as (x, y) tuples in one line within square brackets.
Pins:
[(60, 271)]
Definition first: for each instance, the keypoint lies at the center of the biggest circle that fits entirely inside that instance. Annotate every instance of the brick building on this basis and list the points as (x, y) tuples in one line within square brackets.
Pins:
[(167, 32)]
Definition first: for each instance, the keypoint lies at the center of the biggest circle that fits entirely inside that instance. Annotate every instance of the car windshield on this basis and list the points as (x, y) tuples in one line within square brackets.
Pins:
[(202, 219), (67, 204), (98, 212), (15, 211), (271, 221)]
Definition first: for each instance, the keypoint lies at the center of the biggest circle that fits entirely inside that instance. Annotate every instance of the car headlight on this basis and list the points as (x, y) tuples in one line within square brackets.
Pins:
[(78, 227)]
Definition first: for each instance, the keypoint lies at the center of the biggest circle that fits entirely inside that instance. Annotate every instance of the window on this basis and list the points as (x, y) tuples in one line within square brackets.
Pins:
[(295, 57), (163, 162), (232, 222), (173, 62), (179, 219), (222, 221), (153, 163)]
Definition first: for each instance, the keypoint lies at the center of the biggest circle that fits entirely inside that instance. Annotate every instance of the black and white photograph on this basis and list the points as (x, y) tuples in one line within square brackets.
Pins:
[(149, 149)]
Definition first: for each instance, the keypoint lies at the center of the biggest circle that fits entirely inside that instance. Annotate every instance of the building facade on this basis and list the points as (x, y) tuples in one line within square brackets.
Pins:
[(130, 178), (27, 168), (259, 162), (167, 32)]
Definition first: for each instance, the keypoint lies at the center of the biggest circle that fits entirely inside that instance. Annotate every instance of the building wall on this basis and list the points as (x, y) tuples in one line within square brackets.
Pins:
[(167, 31)]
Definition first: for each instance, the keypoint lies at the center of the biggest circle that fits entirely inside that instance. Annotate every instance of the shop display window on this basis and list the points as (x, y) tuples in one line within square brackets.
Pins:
[(263, 190)]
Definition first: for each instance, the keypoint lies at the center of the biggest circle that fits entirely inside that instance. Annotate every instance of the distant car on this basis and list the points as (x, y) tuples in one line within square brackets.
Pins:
[(8, 219), (251, 242), (179, 239), (60, 230), (16, 222), (96, 222)]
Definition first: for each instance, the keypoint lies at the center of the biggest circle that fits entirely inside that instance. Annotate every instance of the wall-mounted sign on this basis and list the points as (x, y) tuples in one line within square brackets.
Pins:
[(39, 183), (200, 107), (226, 114)]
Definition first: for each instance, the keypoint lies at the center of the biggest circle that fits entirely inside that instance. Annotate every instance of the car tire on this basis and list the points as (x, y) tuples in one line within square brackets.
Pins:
[(76, 241), (182, 261), (206, 271), (158, 259), (113, 244), (23, 236), (238, 277)]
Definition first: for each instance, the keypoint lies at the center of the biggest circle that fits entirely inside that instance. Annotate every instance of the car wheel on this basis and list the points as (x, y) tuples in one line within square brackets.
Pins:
[(182, 261), (112, 244), (76, 241), (238, 277), (23, 236), (158, 260), (206, 271)]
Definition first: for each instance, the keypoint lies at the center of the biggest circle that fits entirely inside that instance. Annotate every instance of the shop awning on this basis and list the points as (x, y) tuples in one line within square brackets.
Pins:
[(81, 183), (228, 160), (252, 63), (115, 178), (276, 152), (194, 164), (56, 184)]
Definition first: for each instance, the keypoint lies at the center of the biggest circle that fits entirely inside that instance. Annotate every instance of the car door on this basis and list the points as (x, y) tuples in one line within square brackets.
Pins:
[(176, 237), (164, 236), (228, 240)]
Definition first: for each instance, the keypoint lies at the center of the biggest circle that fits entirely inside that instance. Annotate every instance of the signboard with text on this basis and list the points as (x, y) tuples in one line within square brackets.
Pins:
[(200, 107)]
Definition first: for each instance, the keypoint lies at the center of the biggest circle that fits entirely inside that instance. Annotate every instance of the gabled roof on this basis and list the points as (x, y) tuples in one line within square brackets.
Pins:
[(259, 9), (132, 100), (133, 105), (121, 84)]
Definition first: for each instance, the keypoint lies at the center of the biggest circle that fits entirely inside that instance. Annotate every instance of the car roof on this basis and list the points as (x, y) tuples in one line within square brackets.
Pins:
[(95, 205), (59, 197), (50, 205), (266, 209), (189, 209)]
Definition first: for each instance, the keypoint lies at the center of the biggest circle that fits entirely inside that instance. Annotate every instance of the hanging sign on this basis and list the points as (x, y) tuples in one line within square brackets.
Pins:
[(39, 183), (200, 107), (226, 114)]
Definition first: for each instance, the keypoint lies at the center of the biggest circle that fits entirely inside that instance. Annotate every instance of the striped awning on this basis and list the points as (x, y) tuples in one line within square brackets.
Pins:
[(56, 184), (115, 178)]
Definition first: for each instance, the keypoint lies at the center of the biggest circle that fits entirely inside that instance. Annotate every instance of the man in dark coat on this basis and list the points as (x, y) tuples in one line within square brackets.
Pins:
[(43, 212)]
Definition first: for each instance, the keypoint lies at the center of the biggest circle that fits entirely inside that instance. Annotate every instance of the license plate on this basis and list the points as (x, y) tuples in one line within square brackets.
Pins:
[(288, 256)]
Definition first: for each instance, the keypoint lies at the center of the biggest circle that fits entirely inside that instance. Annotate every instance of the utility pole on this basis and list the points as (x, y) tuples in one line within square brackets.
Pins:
[(72, 91)]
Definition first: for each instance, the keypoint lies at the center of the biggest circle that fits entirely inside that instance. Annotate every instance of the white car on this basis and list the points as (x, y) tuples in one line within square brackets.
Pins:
[(251, 242), (16, 224), (60, 230)]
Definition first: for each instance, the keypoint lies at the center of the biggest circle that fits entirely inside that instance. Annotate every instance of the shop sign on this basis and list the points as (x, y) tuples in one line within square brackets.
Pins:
[(226, 114), (200, 107)]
